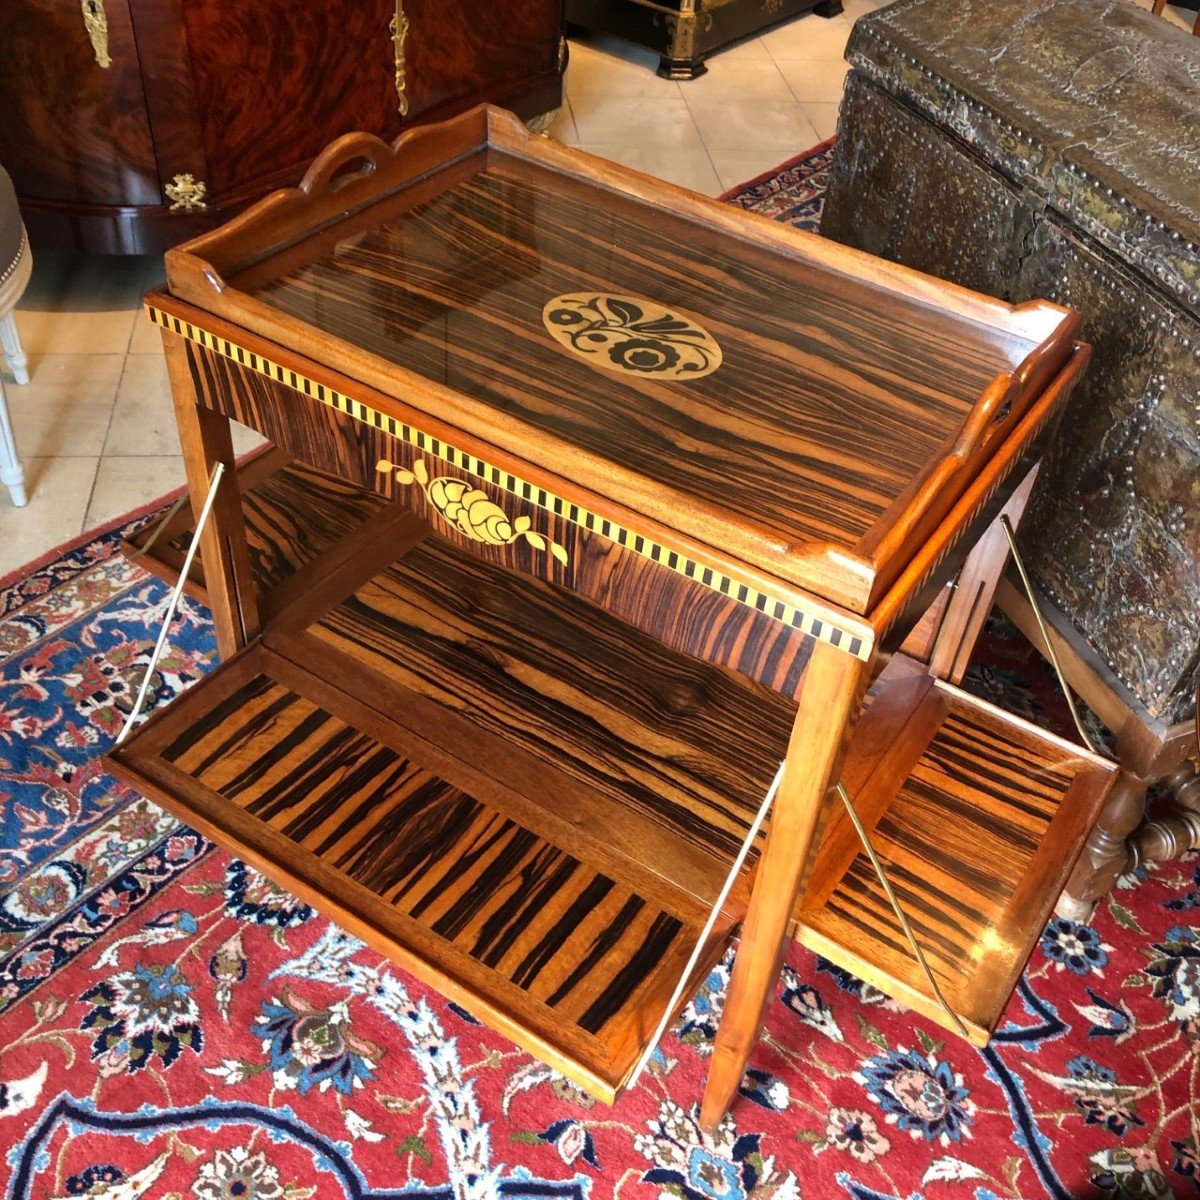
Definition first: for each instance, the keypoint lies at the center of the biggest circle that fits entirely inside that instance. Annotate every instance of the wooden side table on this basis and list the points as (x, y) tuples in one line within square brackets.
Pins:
[(1150, 751), (665, 485)]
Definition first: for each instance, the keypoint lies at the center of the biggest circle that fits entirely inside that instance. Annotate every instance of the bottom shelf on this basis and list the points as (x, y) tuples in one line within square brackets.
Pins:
[(978, 818), (304, 783)]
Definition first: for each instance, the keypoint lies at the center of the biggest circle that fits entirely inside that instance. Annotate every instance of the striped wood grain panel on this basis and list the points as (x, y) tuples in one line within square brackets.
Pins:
[(977, 843), (580, 961), (688, 605), (293, 512), (689, 746), (817, 421)]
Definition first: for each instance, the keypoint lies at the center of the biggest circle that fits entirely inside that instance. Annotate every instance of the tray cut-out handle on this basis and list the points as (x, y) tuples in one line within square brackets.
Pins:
[(352, 158)]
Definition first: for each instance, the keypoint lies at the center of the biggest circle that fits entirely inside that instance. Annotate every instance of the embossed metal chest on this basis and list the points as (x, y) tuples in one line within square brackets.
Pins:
[(1050, 149)]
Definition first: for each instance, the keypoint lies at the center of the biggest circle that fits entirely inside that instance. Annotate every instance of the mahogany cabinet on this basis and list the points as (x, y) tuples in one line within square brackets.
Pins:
[(130, 125)]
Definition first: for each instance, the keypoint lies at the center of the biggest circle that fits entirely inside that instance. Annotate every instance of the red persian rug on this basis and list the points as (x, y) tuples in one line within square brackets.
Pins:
[(173, 1026)]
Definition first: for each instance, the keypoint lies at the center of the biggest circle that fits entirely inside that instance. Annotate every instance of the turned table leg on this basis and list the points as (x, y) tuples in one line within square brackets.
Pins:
[(1106, 855), (1175, 828), (831, 694), (205, 438)]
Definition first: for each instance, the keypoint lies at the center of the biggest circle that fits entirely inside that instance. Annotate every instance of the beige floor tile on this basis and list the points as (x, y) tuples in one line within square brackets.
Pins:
[(815, 79), (613, 47), (631, 121), (824, 118), (736, 167), (82, 304), (748, 50), (809, 36), (147, 337), (727, 80), (689, 168), (143, 419), (563, 129), (1185, 18), (611, 68), (245, 440), (124, 483), (860, 8), (65, 407), (752, 124), (58, 490)]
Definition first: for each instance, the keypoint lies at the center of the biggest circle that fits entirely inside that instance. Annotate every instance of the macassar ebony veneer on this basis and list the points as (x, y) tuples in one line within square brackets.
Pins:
[(665, 486), (295, 516)]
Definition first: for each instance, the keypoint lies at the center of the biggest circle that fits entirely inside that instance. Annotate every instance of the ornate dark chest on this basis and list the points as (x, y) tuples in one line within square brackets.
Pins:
[(686, 32), (1051, 149)]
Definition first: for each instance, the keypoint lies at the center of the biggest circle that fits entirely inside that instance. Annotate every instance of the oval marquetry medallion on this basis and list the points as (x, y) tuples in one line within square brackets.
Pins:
[(631, 335)]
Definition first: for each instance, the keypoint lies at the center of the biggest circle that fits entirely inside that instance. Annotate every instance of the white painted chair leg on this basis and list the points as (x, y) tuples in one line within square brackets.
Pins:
[(11, 341), (11, 473)]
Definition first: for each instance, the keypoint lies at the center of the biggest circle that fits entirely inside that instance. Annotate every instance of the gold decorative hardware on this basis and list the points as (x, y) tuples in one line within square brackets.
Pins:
[(631, 335), (470, 509), (186, 194), (399, 29), (95, 21)]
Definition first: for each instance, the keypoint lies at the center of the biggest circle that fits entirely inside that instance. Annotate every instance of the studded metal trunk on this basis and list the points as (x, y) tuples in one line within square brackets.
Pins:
[(1052, 148)]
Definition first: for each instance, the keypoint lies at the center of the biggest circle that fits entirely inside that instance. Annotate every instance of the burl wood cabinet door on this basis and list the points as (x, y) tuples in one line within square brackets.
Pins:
[(456, 48), (276, 81), (73, 124)]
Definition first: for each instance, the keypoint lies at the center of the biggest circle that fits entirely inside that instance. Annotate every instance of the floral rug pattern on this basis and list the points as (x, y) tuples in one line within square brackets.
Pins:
[(174, 1026), (794, 192)]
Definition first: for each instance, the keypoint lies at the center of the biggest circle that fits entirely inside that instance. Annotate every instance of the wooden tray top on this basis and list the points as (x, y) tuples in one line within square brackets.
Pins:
[(806, 411)]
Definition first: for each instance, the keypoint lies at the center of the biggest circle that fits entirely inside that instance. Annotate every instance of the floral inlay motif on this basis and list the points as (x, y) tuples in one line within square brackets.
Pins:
[(631, 335), (471, 510)]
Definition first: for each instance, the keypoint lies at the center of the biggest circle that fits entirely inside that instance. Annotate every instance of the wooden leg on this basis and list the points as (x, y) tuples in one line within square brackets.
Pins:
[(831, 694), (1106, 856), (975, 592), (206, 441), (1175, 827), (1184, 783)]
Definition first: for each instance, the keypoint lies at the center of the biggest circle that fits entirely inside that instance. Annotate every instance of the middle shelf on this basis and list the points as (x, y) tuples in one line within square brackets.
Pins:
[(658, 758)]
